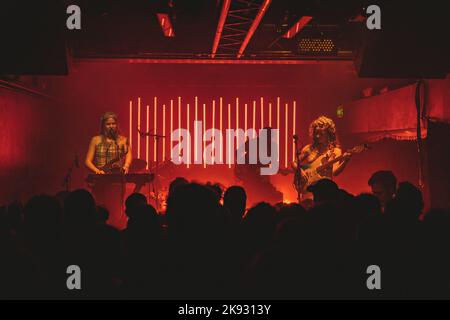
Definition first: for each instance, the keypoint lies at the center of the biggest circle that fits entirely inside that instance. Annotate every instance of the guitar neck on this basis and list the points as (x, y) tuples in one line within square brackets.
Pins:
[(329, 163)]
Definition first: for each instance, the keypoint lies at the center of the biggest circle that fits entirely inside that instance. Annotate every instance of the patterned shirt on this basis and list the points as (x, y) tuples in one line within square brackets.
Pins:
[(108, 153)]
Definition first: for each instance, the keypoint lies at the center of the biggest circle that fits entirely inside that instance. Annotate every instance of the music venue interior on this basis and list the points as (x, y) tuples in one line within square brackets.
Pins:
[(175, 77)]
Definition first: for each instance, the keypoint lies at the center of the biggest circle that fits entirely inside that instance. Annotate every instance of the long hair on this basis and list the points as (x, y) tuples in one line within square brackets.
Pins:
[(103, 119), (326, 123)]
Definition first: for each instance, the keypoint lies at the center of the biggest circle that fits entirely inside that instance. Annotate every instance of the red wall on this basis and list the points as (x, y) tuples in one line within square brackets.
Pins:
[(95, 87), (28, 152)]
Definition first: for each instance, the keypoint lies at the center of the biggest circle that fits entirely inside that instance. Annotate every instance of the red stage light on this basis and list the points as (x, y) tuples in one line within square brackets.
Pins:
[(139, 128), (293, 128), (164, 133), (203, 135), (187, 126), (229, 136), (270, 114), (131, 123), (147, 140), (155, 141), (286, 125), (303, 21), (252, 29), (262, 112), (223, 17), (166, 25), (233, 122)]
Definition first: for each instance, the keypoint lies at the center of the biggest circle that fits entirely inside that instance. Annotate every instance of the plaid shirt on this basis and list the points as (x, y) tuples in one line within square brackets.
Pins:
[(107, 153)]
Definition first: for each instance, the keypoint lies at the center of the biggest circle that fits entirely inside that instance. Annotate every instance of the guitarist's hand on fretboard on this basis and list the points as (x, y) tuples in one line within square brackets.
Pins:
[(346, 156)]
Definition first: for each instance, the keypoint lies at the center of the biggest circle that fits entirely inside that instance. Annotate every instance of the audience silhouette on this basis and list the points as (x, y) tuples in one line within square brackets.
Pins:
[(207, 246)]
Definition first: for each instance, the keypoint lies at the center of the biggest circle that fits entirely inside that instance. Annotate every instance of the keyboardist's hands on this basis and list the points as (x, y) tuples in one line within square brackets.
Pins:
[(125, 169), (99, 172)]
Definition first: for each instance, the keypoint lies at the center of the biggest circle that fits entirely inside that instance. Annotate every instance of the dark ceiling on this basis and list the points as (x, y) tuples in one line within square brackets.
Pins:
[(130, 28), (36, 39)]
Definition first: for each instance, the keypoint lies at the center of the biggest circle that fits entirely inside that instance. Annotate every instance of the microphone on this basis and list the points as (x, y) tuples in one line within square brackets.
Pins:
[(142, 133)]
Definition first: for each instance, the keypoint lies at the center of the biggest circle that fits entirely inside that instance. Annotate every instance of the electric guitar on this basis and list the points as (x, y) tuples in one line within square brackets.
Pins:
[(321, 167)]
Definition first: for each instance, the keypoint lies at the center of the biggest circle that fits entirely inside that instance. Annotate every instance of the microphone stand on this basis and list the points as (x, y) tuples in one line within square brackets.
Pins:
[(155, 185), (122, 180), (68, 177)]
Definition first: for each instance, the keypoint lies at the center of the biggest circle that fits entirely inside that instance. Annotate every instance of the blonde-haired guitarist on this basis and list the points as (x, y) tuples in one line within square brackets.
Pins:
[(321, 159), (109, 151)]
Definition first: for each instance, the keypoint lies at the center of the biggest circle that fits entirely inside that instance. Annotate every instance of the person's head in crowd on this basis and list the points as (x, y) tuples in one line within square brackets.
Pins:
[(146, 217), (192, 210), (218, 189), (102, 214), (133, 201), (383, 184), (42, 215), (235, 200), (408, 202), (80, 208), (259, 224), (290, 211), (178, 181), (13, 215), (367, 205), (61, 196), (345, 197), (324, 190)]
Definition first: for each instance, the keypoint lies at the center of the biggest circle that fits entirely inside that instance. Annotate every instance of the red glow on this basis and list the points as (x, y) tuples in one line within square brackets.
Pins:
[(218, 61), (233, 121), (262, 112), (155, 123), (245, 117), (286, 125), (221, 136), (237, 121), (213, 127), (229, 136), (252, 29), (179, 126), (189, 148), (270, 115), (147, 138), (139, 128), (166, 25), (195, 130), (254, 119), (303, 21), (164, 133), (223, 17), (131, 123), (278, 126), (203, 135), (171, 129), (293, 129)]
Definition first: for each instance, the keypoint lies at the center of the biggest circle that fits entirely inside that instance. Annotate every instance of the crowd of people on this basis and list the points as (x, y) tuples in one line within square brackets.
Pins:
[(208, 245)]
